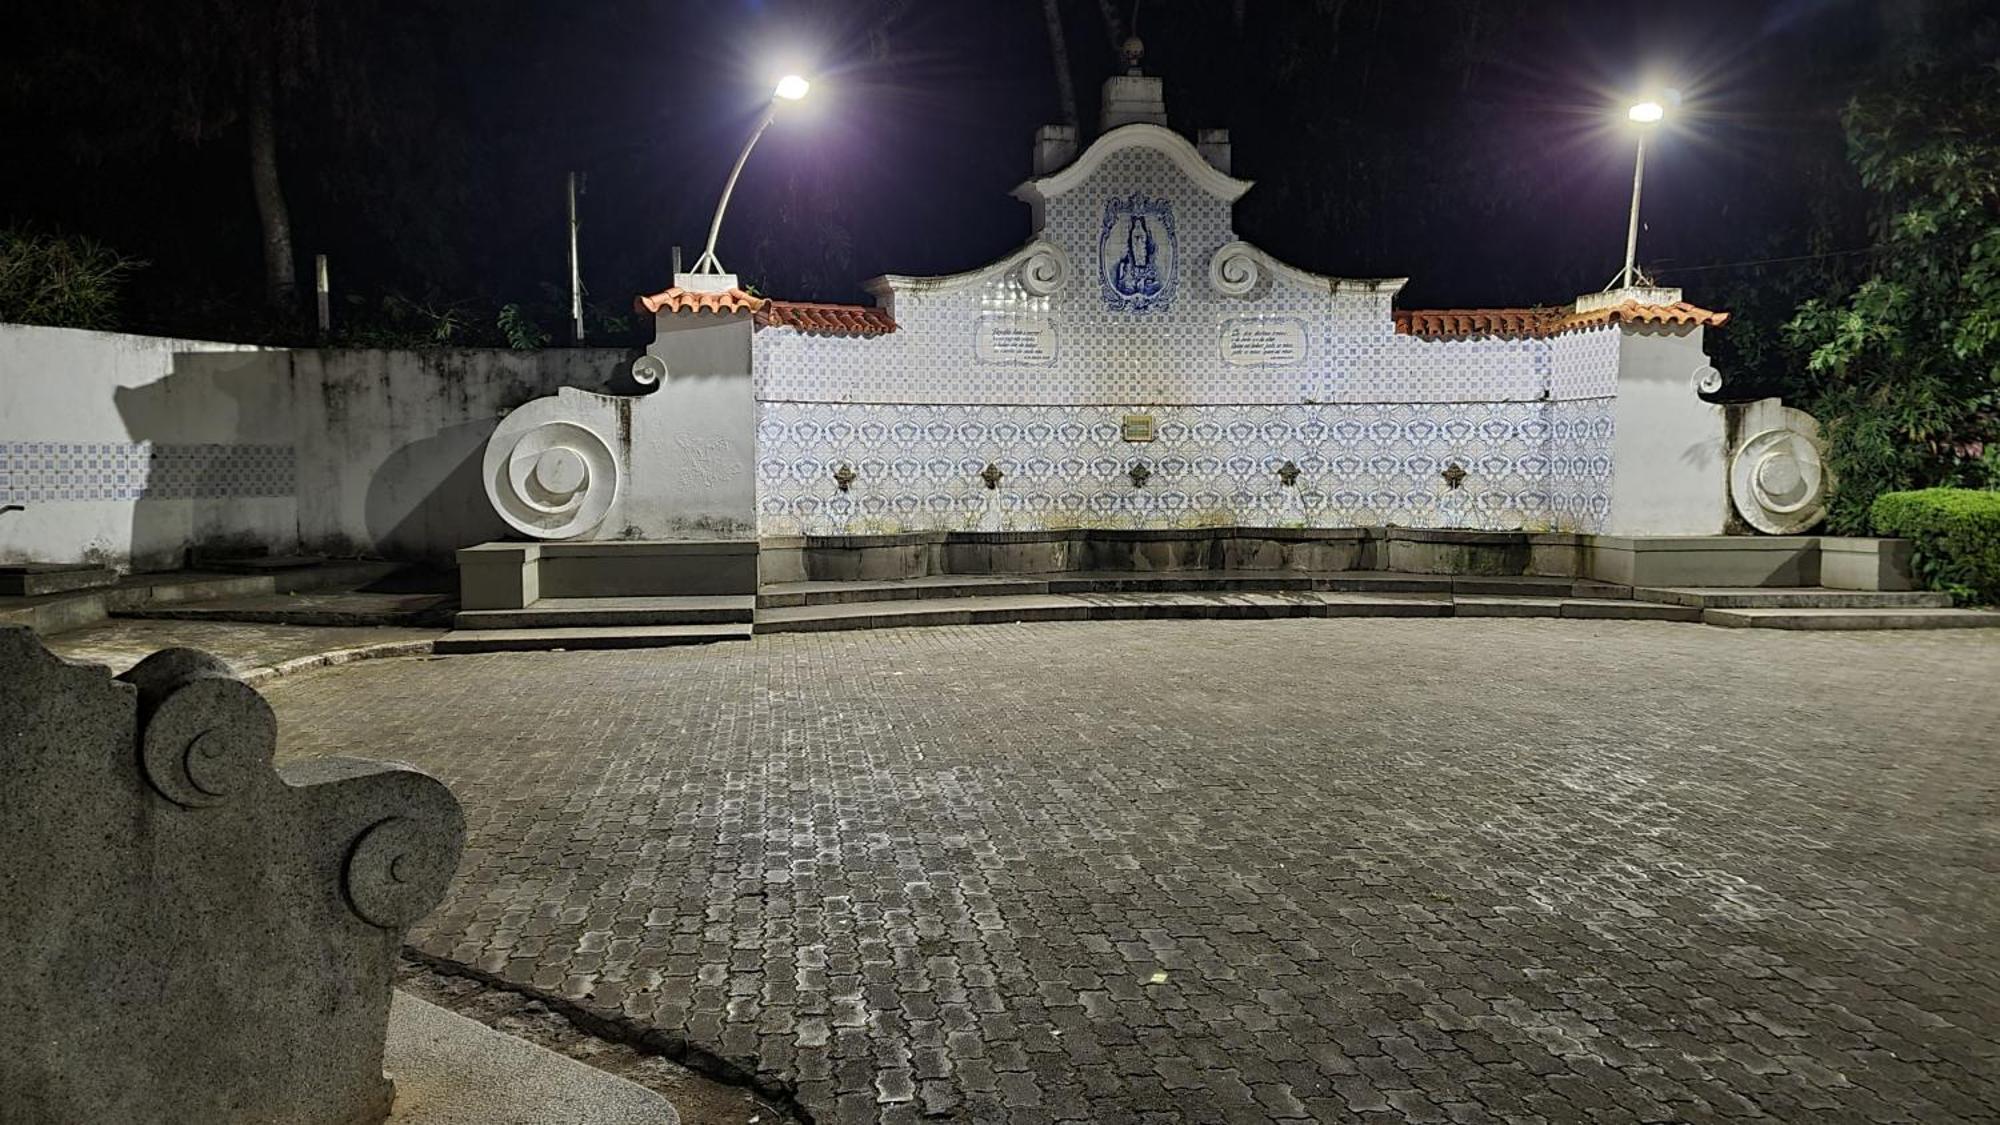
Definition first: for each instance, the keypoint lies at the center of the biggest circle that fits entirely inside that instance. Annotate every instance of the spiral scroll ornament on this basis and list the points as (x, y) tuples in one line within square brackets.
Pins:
[(1235, 270), (649, 370), (1777, 478), (551, 479), (397, 871), (208, 740), (1044, 270)]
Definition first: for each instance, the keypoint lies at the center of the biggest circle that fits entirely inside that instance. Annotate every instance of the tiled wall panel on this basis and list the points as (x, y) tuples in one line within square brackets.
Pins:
[(1169, 351), (1371, 418), (917, 466), (36, 472)]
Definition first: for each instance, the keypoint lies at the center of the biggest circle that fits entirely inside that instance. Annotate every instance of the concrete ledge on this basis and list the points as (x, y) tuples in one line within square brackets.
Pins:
[(1704, 560), (640, 568), (499, 575), (450, 1070), (50, 614), (1866, 564), (1441, 551), (637, 548)]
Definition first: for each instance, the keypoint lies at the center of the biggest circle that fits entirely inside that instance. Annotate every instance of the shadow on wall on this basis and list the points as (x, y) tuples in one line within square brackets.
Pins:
[(392, 444), (210, 467), (429, 498)]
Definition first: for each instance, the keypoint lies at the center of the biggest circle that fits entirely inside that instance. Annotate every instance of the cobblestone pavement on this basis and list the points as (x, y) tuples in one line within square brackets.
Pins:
[(1369, 870)]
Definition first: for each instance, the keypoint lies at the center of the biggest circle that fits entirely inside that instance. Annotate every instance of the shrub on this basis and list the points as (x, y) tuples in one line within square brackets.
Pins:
[(520, 330), (63, 280), (1957, 536), (1905, 369)]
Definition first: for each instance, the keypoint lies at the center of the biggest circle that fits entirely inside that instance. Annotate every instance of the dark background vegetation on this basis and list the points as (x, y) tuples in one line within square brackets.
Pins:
[(1467, 144), (1475, 146)]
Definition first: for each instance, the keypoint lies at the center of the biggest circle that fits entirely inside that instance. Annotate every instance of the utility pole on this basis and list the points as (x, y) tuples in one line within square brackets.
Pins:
[(325, 291), (575, 267)]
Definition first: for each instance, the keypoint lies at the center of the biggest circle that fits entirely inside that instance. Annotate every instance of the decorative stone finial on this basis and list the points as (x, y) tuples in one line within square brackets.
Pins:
[(1133, 96)]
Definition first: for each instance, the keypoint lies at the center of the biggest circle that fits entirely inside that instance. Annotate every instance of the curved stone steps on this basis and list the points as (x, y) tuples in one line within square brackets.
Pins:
[(1126, 606)]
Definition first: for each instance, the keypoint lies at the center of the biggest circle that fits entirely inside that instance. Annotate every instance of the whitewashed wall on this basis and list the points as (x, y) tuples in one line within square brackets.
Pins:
[(131, 450), (390, 443), (128, 449)]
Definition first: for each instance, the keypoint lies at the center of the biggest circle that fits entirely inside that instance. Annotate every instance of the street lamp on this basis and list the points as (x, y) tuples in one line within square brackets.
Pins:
[(790, 89), (1645, 115)]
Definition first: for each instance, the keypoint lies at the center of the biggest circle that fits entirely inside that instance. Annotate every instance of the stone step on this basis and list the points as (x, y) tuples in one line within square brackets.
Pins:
[(1112, 606), (629, 636), (33, 580), (51, 614), (792, 594), (1129, 581), (342, 609), (1602, 609), (1627, 609), (1518, 586), (1852, 618), (604, 613), (1790, 597), (258, 564), (1244, 604), (922, 611), (780, 595)]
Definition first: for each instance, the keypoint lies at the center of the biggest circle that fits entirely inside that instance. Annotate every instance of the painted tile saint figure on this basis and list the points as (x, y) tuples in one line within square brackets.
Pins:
[(1136, 275), (1136, 253)]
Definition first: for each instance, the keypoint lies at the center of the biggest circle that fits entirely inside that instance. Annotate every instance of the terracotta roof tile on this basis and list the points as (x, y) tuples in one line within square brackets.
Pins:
[(1632, 312), (1449, 323), (677, 299), (805, 316), (833, 320)]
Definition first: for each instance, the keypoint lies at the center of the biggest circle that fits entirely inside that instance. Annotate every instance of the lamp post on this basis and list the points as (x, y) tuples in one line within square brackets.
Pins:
[(1645, 115), (790, 89)]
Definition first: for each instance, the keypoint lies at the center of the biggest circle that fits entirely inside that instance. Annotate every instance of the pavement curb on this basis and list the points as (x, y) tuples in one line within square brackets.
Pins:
[(632, 1033), (257, 677)]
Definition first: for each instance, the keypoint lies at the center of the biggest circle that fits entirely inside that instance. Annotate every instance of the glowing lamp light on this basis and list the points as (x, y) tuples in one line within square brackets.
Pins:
[(790, 88), (1647, 113)]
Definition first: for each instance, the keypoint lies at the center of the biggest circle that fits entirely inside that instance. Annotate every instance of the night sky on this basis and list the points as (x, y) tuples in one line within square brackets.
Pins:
[(1471, 145)]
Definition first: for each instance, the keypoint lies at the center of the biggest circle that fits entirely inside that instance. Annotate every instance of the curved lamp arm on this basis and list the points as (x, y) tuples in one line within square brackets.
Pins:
[(707, 263)]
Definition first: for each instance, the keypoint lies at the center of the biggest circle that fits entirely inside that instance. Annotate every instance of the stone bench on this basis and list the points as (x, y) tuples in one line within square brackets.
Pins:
[(192, 934)]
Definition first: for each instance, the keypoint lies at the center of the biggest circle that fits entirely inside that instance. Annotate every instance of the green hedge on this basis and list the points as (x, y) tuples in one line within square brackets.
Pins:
[(1957, 536)]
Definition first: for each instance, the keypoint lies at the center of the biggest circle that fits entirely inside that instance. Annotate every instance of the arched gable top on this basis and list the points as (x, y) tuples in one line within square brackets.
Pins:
[(1165, 141)]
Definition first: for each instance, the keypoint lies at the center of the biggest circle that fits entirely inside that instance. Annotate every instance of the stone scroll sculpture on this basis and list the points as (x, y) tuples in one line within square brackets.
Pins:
[(189, 933), (1777, 478)]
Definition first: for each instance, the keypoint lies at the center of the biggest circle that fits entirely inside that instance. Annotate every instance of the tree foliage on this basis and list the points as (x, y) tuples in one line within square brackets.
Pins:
[(64, 280), (1905, 369)]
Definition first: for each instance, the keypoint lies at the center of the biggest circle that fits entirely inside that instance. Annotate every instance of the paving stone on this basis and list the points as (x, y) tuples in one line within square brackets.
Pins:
[(1459, 870)]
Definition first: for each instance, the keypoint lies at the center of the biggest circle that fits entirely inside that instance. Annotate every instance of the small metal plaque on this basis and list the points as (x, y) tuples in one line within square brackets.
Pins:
[(1137, 427)]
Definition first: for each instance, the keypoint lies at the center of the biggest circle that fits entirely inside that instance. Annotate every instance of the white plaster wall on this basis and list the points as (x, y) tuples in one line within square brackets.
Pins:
[(693, 445), (390, 443), (1668, 471), (130, 449)]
